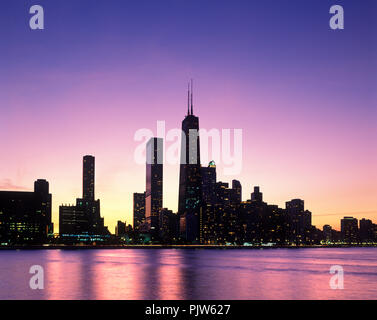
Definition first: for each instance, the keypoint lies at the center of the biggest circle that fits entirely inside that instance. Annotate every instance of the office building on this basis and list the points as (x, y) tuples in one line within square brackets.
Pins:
[(154, 185), (190, 178), (25, 217), (139, 210), (349, 230)]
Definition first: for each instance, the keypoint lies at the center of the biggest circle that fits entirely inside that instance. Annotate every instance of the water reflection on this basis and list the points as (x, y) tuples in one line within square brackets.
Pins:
[(189, 274)]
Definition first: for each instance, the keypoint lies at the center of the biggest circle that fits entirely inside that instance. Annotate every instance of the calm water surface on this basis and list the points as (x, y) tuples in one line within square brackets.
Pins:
[(190, 274)]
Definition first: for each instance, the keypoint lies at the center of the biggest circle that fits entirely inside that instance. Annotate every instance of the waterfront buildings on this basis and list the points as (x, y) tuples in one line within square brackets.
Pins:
[(25, 217)]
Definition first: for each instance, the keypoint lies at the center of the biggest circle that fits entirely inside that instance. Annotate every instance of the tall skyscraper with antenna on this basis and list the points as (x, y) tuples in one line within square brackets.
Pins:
[(190, 179)]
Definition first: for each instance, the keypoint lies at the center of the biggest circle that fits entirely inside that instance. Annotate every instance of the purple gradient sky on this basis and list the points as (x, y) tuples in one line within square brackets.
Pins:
[(304, 96)]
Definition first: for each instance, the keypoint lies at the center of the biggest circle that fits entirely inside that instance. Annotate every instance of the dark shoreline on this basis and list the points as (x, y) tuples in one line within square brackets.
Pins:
[(120, 247)]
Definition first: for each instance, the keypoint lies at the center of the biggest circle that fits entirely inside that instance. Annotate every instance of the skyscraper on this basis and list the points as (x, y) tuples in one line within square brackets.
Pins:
[(85, 217), (366, 230), (168, 226), (237, 191), (208, 183), (257, 196), (139, 210), (88, 178), (190, 178), (154, 185), (300, 221), (41, 187), (120, 229), (327, 233), (349, 230)]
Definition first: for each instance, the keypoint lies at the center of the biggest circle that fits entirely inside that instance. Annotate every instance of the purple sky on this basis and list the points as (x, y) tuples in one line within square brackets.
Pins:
[(303, 94)]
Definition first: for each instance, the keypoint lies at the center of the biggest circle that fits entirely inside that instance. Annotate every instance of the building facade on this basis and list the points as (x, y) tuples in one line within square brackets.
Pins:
[(139, 210), (154, 185), (25, 217), (349, 230), (83, 221), (190, 177)]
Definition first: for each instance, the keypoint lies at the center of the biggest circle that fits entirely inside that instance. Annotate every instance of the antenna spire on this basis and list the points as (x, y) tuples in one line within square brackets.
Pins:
[(192, 100), (188, 98)]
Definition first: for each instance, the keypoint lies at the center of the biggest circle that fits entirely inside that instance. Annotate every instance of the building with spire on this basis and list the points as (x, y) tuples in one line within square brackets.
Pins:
[(190, 178)]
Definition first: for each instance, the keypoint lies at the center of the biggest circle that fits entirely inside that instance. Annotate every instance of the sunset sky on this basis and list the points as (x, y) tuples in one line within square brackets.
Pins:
[(304, 96)]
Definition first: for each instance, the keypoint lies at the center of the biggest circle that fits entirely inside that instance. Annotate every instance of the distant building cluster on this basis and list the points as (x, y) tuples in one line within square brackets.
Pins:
[(224, 218), (210, 212)]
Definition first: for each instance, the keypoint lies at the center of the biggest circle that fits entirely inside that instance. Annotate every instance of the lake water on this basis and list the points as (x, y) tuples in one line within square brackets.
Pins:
[(190, 274)]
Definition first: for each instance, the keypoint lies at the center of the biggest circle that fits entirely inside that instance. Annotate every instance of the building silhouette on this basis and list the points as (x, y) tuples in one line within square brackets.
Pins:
[(300, 221), (208, 183), (257, 196), (139, 210), (349, 230), (154, 185), (120, 229), (168, 226), (83, 221), (88, 178), (190, 177), (327, 233), (262, 223), (220, 220), (209, 211), (237, 191), (367, 231), (25, 217)]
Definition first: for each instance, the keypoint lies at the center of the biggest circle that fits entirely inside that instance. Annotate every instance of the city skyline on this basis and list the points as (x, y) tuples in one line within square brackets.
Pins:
[(85, 216), (223, 218), (302, 94), (89, 182)]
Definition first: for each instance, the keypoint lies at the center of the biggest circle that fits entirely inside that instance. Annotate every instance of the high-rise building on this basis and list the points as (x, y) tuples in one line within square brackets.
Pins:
[(220, 219), (25, 217), (190, 178), (349, 230), (88, 178), (72, 220), (222, 192), (300, 221), (168, 226), (154, 184), (41, 187), (208, 183), (120, 229), (236, 195), (262, 223), (327, 233), (366, 230), (84, 218), (139, 210), (257, 196)]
